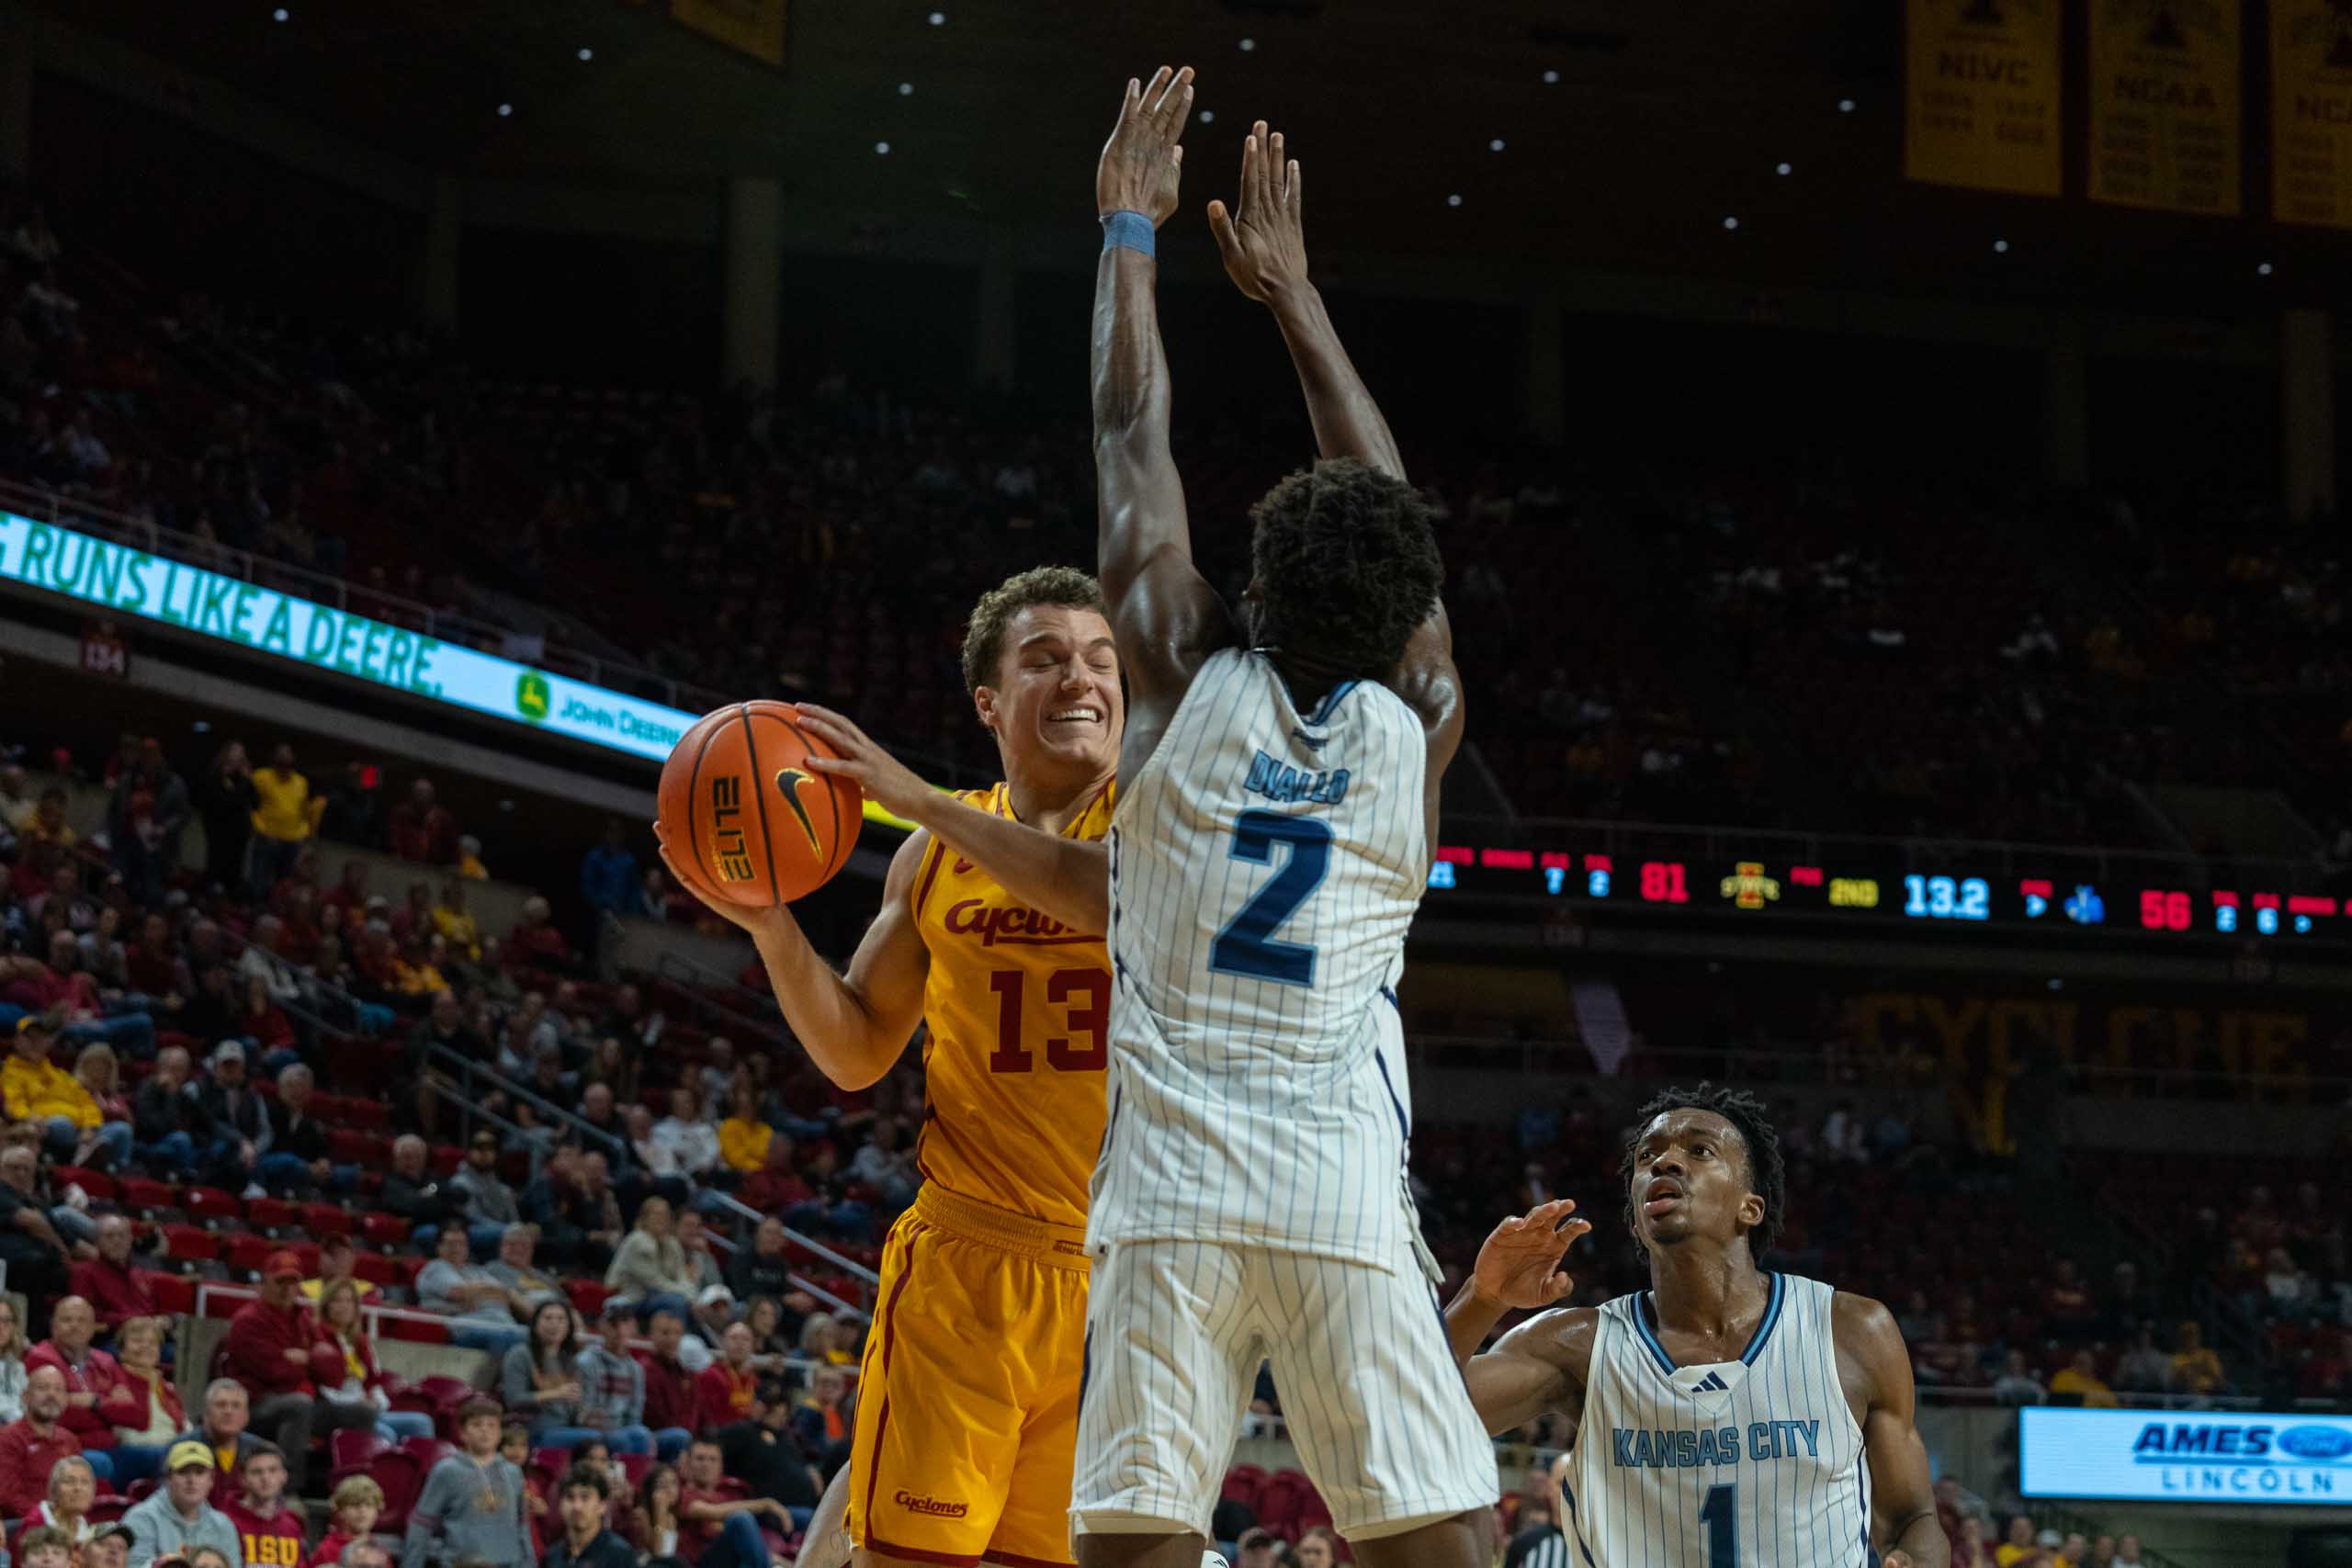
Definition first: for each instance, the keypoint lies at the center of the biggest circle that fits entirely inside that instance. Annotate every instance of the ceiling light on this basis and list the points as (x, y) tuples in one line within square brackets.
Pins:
[(1247, 44), (1784, 168), (2000, 247), (1453, 201), (883, 148), (939, 18), (505, 110), (278, 15), (1731, 223), (203, 726), (1208, 117), (906, 89), (1495, 145), (2263, 271), (1844, 106), (1551, 77), (587, 55)]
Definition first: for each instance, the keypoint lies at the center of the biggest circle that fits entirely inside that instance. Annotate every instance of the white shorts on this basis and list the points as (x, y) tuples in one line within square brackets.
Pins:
[(1175, 1331)]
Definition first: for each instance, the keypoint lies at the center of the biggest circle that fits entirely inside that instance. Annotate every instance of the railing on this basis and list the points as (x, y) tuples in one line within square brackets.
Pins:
[(373, 1314), (449, 626)]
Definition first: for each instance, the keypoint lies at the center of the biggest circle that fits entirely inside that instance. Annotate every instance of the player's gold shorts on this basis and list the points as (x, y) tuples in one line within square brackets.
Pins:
[(967, 1399)]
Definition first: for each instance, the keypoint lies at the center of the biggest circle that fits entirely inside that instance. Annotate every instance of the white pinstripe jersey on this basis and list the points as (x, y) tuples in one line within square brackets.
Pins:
[(1752, 1463), (1264, 867)]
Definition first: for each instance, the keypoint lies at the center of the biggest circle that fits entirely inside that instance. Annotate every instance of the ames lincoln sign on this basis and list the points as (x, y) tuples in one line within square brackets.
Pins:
[(2205, 1456), (131, 583)]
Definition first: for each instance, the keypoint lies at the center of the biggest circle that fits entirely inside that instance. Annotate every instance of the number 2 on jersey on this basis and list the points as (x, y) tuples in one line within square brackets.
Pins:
[(1247, 944)]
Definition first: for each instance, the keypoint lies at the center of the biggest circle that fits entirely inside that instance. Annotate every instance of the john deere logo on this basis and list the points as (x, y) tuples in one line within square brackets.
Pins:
[(531, 696)]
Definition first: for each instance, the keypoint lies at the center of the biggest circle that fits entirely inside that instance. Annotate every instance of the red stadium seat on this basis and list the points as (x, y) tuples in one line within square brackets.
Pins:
[(139, 1193), (192, 1242), (323, 1220), (211, 1203), (273, 1214), (376, 1268), (96, 1183), (429, 1451), (173, 1293), (400, 1477), (352, 1453), (588, 1296), (421, 1331), (248, 1252), (383, 1230)]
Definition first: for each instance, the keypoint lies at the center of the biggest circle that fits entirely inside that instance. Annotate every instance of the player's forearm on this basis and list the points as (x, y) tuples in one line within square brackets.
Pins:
[(1924, 1541), (1130, 365), (1069, 879), (1347, 422), (833, 1022), (1469, 1318)]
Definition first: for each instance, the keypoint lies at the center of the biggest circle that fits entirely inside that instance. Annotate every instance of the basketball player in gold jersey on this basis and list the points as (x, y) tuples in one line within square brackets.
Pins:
[(967, 1398)]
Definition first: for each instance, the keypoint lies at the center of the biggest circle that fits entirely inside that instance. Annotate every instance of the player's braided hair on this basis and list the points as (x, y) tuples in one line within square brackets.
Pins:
[(984, 634), (1347, 563), (1768, 1176)]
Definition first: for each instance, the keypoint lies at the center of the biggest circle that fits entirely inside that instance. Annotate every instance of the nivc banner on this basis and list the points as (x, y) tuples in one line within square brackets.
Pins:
[(2185, 1456), (131, 583), (2165, 118), (2311, 112), (1981, 95)]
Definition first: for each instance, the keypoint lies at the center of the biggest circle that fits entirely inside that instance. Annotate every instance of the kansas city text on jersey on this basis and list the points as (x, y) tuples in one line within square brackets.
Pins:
[(1686, 1449)]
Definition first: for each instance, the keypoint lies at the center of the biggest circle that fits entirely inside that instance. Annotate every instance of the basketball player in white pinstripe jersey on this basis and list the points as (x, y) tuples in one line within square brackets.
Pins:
[(1279, 795), (1727, 1416)]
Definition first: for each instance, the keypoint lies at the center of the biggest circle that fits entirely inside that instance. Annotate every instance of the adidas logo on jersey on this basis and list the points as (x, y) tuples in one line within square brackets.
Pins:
[(1712, 1384)]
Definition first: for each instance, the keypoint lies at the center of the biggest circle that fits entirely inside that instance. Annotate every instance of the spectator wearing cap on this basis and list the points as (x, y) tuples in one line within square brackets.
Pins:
[(108, 1546), (269, 1349), (32, 1446), (612, 1388), (490, 1205), (109, 1283), (759, 1449), (35, 1088), (240, 1119), (714, 1314), (89, 1373), (273, 1534), (472, 1502), (285, 816), (178, 1517)]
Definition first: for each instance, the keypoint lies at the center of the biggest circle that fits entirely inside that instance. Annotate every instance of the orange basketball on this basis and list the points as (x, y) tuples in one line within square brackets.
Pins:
[(747, 821)]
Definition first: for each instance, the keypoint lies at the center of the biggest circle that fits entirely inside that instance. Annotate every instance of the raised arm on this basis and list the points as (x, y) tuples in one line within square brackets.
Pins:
[(1264, 246), (1871, 1357), (1164, 616), (1538, 1366), (1067, 879)]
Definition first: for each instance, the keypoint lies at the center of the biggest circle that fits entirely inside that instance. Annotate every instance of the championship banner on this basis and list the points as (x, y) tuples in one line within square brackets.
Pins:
[(2164, 114), (1981, 95), (754, 26), (2310, 99)]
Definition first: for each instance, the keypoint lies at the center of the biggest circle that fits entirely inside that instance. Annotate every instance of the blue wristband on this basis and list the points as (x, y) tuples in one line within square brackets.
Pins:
[(1132, 230)]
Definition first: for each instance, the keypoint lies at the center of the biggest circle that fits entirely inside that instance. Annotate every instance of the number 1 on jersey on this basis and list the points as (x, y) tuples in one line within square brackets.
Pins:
[(1245, 946), (1720, 1514)]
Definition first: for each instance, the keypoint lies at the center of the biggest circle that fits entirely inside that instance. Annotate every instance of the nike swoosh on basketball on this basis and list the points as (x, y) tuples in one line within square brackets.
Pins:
[(788, 782)]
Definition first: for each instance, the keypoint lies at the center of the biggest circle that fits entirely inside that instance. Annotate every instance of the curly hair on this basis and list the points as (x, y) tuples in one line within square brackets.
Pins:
[(1767, 1174), (984, 633), (1346, 563)]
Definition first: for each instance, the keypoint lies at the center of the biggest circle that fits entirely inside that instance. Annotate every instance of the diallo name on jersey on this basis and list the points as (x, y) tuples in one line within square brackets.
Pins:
[(1279, 781)]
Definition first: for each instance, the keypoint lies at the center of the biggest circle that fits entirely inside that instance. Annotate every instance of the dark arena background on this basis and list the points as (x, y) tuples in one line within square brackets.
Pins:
[(1885, 455)]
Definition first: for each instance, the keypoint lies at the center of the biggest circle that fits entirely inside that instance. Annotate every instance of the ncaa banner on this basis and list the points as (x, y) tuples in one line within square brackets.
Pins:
[(2185, 1456), (1981, 95), (754, 26), (2311, 112), (2164, 114)]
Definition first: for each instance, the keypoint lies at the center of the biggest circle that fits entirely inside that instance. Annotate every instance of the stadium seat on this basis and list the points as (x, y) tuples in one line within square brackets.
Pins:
[(588, 1296), (173, 1293), (96, 1183), (376, 1268), (352, 1453), (145, 1196), (420, 1331), (323, 1220), (247, 1252), (211, 1203), (401, 1476), (272, 1214), (383, 1230), (189, 1242)]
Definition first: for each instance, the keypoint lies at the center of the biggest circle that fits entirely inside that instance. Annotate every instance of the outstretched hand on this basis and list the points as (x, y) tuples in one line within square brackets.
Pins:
[(1520, 1264), (1141, 162), (888, 782), (1264, 247), (743, 916)]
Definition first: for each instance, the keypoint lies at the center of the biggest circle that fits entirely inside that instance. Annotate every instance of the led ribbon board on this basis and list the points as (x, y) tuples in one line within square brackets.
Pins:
[(2185, 1456)]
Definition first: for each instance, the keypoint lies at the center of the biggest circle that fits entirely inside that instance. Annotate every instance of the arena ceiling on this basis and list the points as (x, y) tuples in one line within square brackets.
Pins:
[(1631, 129)]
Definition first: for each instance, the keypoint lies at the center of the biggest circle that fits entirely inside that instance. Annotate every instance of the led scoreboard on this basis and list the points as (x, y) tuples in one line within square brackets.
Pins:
[(1961, 897)]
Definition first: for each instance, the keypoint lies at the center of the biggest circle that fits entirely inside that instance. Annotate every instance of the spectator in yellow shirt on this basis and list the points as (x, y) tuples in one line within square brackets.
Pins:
[(2081, 1376), (2195, 1369), (743, 1137), (33, 1087), (469, 859), (289, 814), (455, 922)]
